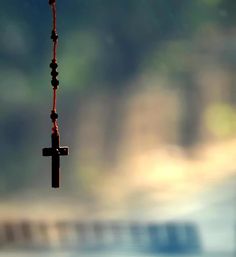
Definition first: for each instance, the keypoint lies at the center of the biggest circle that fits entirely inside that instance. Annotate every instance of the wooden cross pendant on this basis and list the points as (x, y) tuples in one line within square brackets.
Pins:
[(55, 151)]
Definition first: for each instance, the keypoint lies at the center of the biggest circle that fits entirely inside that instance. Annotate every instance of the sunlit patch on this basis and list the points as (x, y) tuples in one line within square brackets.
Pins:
[(220, 119), (165, 179)]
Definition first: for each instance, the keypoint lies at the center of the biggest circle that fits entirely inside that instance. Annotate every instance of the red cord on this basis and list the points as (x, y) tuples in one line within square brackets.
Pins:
[(54, 99), (55, 124), (54, 54), (54, 15)]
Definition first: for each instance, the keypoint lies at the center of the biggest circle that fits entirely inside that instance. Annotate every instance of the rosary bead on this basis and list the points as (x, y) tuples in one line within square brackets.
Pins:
[(54, 116), (55, 82), (53, 65), (51, 2), (54, 73), (54, 36)]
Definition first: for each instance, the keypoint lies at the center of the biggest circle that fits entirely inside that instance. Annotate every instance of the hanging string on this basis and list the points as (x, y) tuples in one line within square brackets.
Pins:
[(53, 66), (54, 29), (55, 151)]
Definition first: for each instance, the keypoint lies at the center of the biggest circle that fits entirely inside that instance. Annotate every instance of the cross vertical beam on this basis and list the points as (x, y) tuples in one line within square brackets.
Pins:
[(55, 152)]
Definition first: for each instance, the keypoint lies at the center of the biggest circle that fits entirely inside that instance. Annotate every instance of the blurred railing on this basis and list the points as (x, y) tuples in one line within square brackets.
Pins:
[(100, 236)]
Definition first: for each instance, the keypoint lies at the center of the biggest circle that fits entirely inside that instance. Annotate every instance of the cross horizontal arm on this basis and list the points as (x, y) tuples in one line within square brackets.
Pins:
[(63, 151), (47, 151)]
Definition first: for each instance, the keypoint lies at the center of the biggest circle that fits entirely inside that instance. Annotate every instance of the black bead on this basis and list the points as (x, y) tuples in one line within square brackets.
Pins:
[(51, 2), (55, 82), (54, 116), (54, 36), (54, 73), (53, 65)]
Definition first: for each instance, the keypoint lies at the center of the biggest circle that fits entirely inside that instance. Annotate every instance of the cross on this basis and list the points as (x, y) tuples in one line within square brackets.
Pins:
[(55, 151)]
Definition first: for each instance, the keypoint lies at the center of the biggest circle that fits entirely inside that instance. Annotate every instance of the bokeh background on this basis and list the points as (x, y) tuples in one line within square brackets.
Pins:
[(147, 104)]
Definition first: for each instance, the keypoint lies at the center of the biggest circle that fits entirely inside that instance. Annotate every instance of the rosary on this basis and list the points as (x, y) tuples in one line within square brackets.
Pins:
[(55, 151)]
